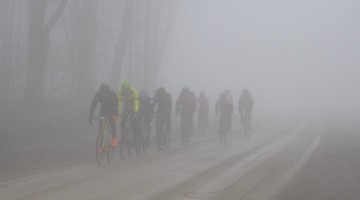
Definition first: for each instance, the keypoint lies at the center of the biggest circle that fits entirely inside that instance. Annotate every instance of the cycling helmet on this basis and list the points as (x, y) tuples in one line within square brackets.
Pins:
[(223, 95), (185, 90), (160, 90), (125, 84), (104, 87), (246, 92)]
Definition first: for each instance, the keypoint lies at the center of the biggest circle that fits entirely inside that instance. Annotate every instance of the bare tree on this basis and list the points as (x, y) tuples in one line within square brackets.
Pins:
[(123, 43), (38, 46), (6, 60), (85, 35), (159, 24), (145, 29)]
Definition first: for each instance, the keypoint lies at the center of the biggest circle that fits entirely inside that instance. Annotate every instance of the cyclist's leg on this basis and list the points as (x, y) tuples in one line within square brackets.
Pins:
[(221, 122), (159, 128), (101, 129), (249, 117), (123, 125), (100, 126), (206, 122), (134, 131), (168, 125), (112, 123), (191, 124), (188, 126), (229, 122), (183, 125)]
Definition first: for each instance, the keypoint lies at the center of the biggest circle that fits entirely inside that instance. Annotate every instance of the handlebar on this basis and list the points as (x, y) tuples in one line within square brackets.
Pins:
[(98, 118)]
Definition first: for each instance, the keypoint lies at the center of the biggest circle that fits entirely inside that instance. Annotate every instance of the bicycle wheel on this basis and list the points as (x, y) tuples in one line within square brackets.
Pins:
[(99, 149), (109, 148), (130, 144), (124, 146), (159, 141), (166, 142), (146, 143), (138, 140)]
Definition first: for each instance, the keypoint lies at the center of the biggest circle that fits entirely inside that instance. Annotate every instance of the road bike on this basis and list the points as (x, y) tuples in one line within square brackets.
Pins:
[(127, 136), (224, 127), (142, 136), (163, 133), (103, 141)]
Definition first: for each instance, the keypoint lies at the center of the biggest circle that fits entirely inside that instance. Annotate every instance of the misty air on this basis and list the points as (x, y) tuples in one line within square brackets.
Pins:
[(179, 99)]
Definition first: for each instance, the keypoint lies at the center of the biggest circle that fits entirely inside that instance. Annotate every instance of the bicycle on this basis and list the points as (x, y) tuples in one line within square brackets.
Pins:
[(127, 137), (224, 127), (103, 141), (162, 133), (142, 137)]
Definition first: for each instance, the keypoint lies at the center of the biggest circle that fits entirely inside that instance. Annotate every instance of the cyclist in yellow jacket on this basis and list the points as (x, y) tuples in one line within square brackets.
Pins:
[(128, 98), (128, 105)]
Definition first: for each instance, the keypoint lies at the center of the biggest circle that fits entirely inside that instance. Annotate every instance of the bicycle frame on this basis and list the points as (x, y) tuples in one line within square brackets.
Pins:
[(103, 142), (126, 145)]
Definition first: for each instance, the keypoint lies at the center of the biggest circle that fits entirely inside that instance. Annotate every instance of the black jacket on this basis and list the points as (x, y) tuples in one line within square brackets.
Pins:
[(108, 101)]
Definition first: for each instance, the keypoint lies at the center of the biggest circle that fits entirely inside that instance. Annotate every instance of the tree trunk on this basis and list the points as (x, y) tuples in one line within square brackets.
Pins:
[(86, 37), (122, 44), (38, 47), (158, 29), (6, 56), (151, 44)]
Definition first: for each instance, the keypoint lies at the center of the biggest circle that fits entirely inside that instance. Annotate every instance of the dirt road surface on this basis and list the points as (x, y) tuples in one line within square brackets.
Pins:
[(279, 160)]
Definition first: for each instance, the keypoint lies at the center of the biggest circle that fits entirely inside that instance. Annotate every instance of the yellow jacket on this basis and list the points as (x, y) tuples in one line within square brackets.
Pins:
[(123, 102)]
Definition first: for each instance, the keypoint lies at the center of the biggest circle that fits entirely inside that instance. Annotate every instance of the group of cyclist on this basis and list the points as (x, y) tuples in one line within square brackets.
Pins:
[(130, 106), (225, 108), (140, 109)]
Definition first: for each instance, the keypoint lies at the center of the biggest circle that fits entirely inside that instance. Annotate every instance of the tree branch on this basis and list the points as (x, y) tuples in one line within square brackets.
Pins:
[(51, 23)]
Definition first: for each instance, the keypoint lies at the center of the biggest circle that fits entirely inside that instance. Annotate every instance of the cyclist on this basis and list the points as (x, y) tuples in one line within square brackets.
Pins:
[(145, 110), (163, 105), (128, 104), (186, 107), (203, 112), (246, 103), (225, 107), (109, 108)]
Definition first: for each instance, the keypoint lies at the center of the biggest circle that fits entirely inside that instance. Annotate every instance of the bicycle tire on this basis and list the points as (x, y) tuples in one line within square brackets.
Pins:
[(137, 141), (144, 137), (146, 143), (99, 149), (124, 147), (109, 149)]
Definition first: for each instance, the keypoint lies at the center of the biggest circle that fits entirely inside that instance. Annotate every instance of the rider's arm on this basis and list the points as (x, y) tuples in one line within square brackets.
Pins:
[(120, 102), (170, 102), (240, 105), (93, 105), (178, 105), (207, 105), (217, 105), (136, 100), (115, 104)]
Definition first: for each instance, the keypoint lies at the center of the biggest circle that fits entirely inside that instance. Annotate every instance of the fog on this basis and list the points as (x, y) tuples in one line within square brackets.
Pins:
[(296, 57)]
